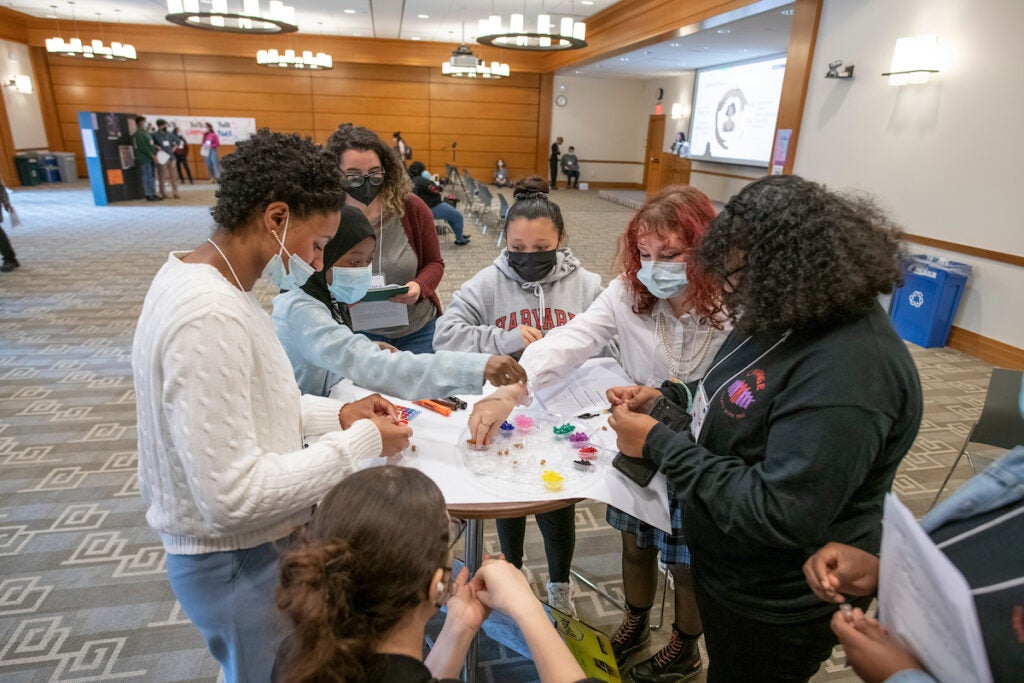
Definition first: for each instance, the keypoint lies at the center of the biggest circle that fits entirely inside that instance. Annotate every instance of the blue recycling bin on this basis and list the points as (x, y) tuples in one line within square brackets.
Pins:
[(924, 307)]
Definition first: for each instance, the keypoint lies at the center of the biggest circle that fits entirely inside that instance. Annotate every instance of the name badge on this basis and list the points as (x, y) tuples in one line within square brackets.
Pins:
[(699, 411), (377, 281)]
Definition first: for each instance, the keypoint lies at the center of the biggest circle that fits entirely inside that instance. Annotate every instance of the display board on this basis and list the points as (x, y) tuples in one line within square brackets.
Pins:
[(229, 130), (735, 107)]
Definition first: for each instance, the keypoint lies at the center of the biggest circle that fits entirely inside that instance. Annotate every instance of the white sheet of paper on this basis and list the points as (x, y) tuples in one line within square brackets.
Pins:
[(88, 142), (435, 456), (162, 157), (374, 315), (584, 390), (926, 602)]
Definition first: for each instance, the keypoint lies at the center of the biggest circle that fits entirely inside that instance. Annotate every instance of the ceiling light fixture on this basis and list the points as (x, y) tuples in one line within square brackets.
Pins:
[(279, 18), (422, 16), (118, 52), (289, 59), (568, 34)]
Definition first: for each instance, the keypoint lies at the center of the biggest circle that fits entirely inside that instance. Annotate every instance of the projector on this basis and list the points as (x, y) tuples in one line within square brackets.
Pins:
[(463, 58)]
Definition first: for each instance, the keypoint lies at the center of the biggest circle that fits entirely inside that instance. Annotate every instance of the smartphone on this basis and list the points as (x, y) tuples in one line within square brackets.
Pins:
[(641, 471)]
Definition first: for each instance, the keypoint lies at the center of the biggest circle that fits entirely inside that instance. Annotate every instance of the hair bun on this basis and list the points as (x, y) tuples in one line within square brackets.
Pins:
[(531, 187)]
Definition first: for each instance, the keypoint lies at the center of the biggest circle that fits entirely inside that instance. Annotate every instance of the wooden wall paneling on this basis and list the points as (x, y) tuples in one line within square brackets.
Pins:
[(498, 144), (483, 92), (126, 97), (799, 56), (395, 90), (84, 73), (271, 86), (410, 126), (7, 168), (55, 138), (251, 101), (447, 127), (368, 106), (458, 109), (376, 72), (543, 145), (13, 27)]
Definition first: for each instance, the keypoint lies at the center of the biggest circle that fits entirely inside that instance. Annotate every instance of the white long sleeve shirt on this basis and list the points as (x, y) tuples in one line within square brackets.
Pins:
[(221, 421), (641, 355)]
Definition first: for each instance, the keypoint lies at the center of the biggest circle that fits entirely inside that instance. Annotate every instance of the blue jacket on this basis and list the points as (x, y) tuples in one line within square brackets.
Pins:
[(323, 352), (1000, 484)]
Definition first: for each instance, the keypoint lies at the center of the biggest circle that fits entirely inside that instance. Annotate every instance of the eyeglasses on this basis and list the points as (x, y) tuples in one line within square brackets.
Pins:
[(734, 271), (456, 527), (356, 180)]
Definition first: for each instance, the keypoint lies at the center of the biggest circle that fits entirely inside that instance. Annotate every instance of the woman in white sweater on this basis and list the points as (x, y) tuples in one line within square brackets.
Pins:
[(221, 423), (664, 332)]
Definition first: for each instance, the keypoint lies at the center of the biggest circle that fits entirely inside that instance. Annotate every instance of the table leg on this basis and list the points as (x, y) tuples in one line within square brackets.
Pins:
[(597, 589), (474, 558)]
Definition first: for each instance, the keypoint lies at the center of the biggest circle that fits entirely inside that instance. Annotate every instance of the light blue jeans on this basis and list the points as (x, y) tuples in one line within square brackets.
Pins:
[(447, 212), (213, 164), (148, 181), (230, 597)]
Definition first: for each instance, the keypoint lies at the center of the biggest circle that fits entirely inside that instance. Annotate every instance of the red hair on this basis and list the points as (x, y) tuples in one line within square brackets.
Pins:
[(682, 211)]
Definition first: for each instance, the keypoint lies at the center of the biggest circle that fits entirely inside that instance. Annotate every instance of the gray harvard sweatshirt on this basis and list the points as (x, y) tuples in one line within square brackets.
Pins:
[(485, 314)]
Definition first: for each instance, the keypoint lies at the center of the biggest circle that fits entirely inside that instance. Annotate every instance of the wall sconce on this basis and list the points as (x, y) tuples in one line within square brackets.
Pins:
[(913, 60), (22, 83), (834, 72)]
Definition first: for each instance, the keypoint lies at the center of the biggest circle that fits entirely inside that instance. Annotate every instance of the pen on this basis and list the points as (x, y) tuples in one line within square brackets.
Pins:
[(436, 407), (462, 405), (451, 405)]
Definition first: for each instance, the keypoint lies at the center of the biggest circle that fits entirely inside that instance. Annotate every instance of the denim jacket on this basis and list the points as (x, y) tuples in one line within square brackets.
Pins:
[(1000, 484)]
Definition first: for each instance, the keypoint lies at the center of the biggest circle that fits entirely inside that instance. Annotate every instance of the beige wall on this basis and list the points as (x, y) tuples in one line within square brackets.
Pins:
[(606, 120), (23, 112), (943, 157)]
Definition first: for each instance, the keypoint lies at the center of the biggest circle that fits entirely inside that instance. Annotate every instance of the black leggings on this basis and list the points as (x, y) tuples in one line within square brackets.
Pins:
[(6, 250), (558, 528)]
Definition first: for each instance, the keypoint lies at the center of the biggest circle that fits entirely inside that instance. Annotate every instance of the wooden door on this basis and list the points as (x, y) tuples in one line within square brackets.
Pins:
[(655, 139)]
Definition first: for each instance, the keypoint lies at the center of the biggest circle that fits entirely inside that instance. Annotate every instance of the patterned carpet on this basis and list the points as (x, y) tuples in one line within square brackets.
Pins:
[(83, 596)]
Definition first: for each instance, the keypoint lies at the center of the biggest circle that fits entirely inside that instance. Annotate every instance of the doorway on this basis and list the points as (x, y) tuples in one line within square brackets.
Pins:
[(655, 140)]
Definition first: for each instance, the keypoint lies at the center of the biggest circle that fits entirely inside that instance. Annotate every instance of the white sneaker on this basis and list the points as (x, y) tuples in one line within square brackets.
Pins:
[(530, 579), (560, 596)]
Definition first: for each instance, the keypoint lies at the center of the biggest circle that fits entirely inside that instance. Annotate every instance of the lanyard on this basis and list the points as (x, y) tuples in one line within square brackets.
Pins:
[(700, 385)]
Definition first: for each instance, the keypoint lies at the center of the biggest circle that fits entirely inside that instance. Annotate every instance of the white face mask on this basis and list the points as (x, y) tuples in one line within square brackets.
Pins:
[(349, 285), (298, 271), (663, 279)]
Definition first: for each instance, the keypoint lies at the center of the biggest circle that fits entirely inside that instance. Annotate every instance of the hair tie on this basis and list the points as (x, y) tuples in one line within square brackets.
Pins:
[(529, 194)]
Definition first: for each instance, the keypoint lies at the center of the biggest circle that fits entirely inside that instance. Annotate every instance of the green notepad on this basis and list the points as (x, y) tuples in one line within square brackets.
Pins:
[(384, 293)]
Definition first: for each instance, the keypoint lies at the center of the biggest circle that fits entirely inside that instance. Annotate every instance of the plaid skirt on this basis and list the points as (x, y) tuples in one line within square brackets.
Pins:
[(672, 546)]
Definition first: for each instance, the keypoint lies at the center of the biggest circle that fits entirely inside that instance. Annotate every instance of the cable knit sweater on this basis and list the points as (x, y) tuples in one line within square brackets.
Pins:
[(221, 421)]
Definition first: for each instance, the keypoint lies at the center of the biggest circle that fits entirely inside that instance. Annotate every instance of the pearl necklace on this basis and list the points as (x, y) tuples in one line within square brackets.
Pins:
[(678, 366)]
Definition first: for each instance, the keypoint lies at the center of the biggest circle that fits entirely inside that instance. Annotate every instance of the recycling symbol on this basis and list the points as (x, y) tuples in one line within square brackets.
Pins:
[(917, 299)]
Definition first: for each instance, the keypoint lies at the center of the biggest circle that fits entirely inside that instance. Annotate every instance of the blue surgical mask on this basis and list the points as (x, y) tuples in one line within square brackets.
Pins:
[(349, 285), (298, 271), (426, 174), (663, 279)]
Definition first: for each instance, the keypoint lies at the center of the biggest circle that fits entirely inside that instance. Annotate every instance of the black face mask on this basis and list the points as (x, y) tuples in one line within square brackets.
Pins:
[(532, 267), (365, 193)]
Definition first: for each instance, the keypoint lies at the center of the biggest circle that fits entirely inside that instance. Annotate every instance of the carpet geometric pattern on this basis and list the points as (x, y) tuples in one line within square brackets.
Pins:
[(83, 590)]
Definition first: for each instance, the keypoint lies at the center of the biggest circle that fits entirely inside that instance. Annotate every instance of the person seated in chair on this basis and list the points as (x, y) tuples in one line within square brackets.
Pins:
[(571, 168), (501, 175), (431, 194)]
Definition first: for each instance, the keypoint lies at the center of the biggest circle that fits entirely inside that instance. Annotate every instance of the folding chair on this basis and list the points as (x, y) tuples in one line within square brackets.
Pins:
[(502, 213), (484, 195), (1000, 424)]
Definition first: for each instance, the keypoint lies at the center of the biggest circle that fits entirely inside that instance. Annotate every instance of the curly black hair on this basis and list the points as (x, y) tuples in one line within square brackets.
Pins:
[(276, 167), (810, 257)]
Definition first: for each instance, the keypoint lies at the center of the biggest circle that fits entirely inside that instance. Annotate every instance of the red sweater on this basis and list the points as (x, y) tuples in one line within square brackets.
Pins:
[(419, 229)]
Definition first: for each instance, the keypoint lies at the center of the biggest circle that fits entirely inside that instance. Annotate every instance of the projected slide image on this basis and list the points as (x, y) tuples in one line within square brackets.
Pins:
[(734, 112)]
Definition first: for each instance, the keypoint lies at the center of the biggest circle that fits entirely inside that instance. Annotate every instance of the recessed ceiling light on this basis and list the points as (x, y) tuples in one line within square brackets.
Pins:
[(788, 12), (350, 11), (623, 59), (648, 52), (744, 49), (422, 16), (414, 38), (578, 72), (723, 31), (587, 2), (673, 44)]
